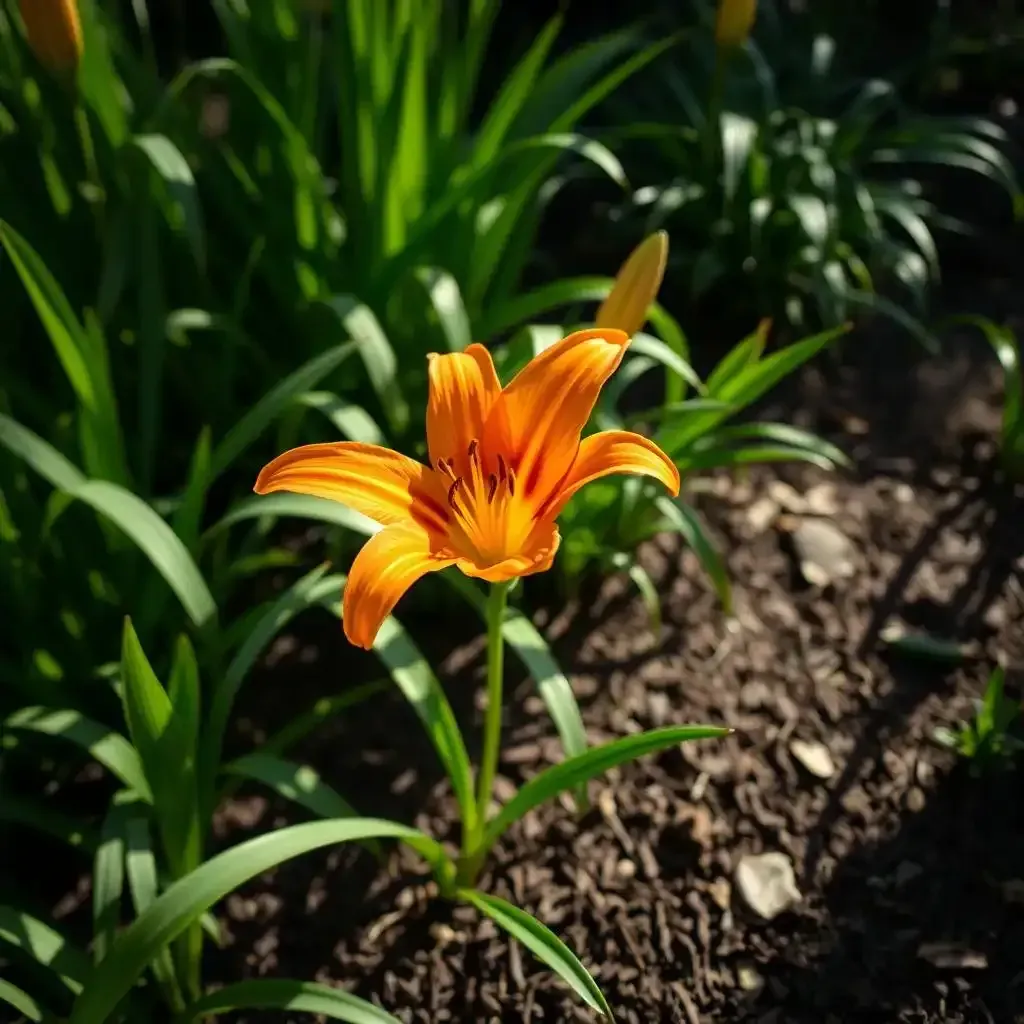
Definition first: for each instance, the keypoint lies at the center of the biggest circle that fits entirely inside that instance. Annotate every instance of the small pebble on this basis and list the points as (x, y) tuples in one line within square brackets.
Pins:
[(814, 757), (767, 883)]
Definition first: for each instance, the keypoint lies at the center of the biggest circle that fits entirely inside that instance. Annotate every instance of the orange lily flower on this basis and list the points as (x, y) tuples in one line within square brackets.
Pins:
[(503, 464), (53, 30)]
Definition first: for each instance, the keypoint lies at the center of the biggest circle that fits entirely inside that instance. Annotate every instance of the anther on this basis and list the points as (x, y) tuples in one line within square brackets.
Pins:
[(473, 445), (492, 486), (502, 468), (511, 482)]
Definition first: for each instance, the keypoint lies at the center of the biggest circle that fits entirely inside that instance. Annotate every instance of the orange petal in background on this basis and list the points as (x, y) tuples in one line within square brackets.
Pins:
[(538, 419), (615, 451), (463, 387), (378, 482), (387, 565), (636, 286)]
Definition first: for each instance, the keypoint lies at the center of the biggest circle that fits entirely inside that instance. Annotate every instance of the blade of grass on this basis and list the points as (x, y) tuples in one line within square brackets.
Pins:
[(583, 767), (45, 945), (273, 403), (685, 521), (187, 898), (107, 747), (543, 943), (283, 994)]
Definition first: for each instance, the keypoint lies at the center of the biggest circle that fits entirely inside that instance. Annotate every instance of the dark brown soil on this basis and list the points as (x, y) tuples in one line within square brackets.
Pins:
[(911, 869)]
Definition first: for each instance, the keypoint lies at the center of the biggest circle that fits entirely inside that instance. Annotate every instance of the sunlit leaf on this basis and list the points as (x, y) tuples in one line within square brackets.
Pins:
[(172, 912), (543, 943)]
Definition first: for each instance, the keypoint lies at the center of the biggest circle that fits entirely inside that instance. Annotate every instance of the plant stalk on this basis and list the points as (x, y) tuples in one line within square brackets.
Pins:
[(472, 850), (496, 603)]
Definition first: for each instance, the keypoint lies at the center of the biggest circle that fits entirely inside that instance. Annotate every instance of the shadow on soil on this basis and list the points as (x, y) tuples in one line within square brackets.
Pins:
[(932, 914)]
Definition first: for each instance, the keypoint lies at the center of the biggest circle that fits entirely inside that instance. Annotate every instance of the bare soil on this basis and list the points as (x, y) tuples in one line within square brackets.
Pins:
[(910, 868)]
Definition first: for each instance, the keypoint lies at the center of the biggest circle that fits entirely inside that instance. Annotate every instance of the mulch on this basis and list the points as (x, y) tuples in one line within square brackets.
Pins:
[(910, 867)]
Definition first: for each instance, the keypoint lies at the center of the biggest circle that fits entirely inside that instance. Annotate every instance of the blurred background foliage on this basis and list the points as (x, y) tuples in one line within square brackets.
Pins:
[(240, 225)]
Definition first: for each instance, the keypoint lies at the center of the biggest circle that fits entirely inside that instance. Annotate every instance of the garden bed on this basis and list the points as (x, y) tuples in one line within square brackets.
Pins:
[(909, 869)]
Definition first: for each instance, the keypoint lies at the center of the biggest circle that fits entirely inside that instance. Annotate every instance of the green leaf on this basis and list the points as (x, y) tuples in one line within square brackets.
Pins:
[(781, 435), (45, 945), (739, 135), (186, 899), (583, 767), (731, 457), (543, 943), (881, 306), (172, 167), (55, 312), (744, 386), (69, 830), (108, 881), (743, 355), (654, 348), (514, 95), (188, 516), (101, 87), (83, 355), (322, 711), (107, 747), (1004, 344), (40, 455), (309, 591), (283, 994), (648, 593), (184, 695), (556, 295), (305, 172), (412, 672), (158, 734), (750, 384), (685, 521), (152, 535), (525, 639), (351, 421), (140, 865), (273, 403), (369, 338), (446, 300), (296, 782), (298, 506), (21, 1001)]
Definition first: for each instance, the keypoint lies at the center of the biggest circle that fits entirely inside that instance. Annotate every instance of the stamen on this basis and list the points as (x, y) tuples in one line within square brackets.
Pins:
[(511, 482), (492, 486), (451, 493), (473, 445), (502, 468)]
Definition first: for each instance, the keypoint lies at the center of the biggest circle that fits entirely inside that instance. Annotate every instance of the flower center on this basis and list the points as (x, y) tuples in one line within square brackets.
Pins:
[(491, 521)]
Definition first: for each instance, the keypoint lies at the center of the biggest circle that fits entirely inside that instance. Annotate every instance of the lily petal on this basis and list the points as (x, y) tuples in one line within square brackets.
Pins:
[(463, 387), (387, 565), (538, 419), (538, 555), (614, 451), (382, 484), (636, 286)]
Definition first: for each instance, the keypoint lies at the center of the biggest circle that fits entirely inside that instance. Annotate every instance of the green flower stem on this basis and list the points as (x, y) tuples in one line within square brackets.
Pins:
[(495, 676), (98, 194), (472, 852)]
